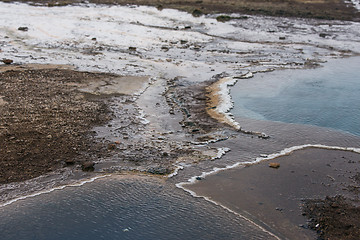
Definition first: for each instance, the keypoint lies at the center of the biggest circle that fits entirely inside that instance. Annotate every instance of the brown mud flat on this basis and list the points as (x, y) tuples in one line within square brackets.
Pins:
[(45, 122), (313, 189), (321, 9)]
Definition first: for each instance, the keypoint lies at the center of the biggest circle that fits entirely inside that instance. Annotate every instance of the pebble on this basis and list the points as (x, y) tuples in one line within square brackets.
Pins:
[(24, 29), (7, 61)]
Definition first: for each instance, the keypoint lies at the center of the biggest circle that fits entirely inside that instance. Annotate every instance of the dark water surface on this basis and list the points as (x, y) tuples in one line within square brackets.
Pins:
[(327, 97), (121, 208)]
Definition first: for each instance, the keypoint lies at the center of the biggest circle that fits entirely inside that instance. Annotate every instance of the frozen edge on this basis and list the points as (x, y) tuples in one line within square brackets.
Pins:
[(176, 171), (283, 152), (77, 184), (220, 152), (225, 100)]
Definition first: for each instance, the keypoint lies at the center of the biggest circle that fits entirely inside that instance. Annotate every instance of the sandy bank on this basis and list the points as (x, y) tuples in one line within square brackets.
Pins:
[(276, 197)]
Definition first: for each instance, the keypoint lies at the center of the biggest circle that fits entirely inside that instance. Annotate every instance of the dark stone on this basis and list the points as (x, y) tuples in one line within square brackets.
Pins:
[(7, 61), (198, 178), (197, 13), (88, 166), (25, 29), (69, 162), (323, 35), (282, 38), (132, 48), (111, 147), (223, 18), (159, 171)]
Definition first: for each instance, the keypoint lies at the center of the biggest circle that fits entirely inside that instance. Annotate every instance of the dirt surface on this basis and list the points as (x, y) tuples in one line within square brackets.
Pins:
[(192, 100), (45, 122), (322, 9), (333, 218)]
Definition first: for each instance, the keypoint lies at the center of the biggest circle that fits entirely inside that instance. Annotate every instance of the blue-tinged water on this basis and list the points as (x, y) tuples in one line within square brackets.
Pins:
[(118, 208), (327, 97)]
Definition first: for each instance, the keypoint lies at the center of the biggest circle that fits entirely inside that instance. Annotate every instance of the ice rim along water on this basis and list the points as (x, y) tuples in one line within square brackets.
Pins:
[(284, 152)]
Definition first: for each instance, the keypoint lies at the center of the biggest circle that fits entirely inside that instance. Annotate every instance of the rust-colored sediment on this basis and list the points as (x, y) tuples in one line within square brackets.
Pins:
[(214, 100)]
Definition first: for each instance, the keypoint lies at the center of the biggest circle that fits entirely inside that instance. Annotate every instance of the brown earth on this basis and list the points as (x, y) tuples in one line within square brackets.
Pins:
[(45, 122), (333, 218), (322, 9)]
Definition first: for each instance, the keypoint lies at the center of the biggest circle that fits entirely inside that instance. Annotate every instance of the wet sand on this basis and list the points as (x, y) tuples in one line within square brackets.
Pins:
[(274, 197)]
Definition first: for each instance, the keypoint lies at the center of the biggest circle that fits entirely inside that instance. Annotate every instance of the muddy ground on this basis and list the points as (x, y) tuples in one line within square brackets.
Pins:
[(333, 217), (45, 123), (321, 9)]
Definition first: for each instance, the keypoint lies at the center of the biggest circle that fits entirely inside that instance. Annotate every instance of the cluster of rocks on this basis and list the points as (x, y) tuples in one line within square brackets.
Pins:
[(46, 122)]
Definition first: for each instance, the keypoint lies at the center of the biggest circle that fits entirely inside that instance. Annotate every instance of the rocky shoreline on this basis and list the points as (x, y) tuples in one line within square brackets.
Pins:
[(55, 119), (45, 124)]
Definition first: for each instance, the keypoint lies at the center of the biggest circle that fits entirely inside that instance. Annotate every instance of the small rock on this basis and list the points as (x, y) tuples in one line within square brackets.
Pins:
[(159, 170), (223, 18), (274, 165), (282, 38), (132, 48), (25, 29), (111, 147), (88, 166), (94, 39), (197, 13), (7, 61), (198, 178), (164, 48), (264, 136), (323, 35), (69, 162)]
